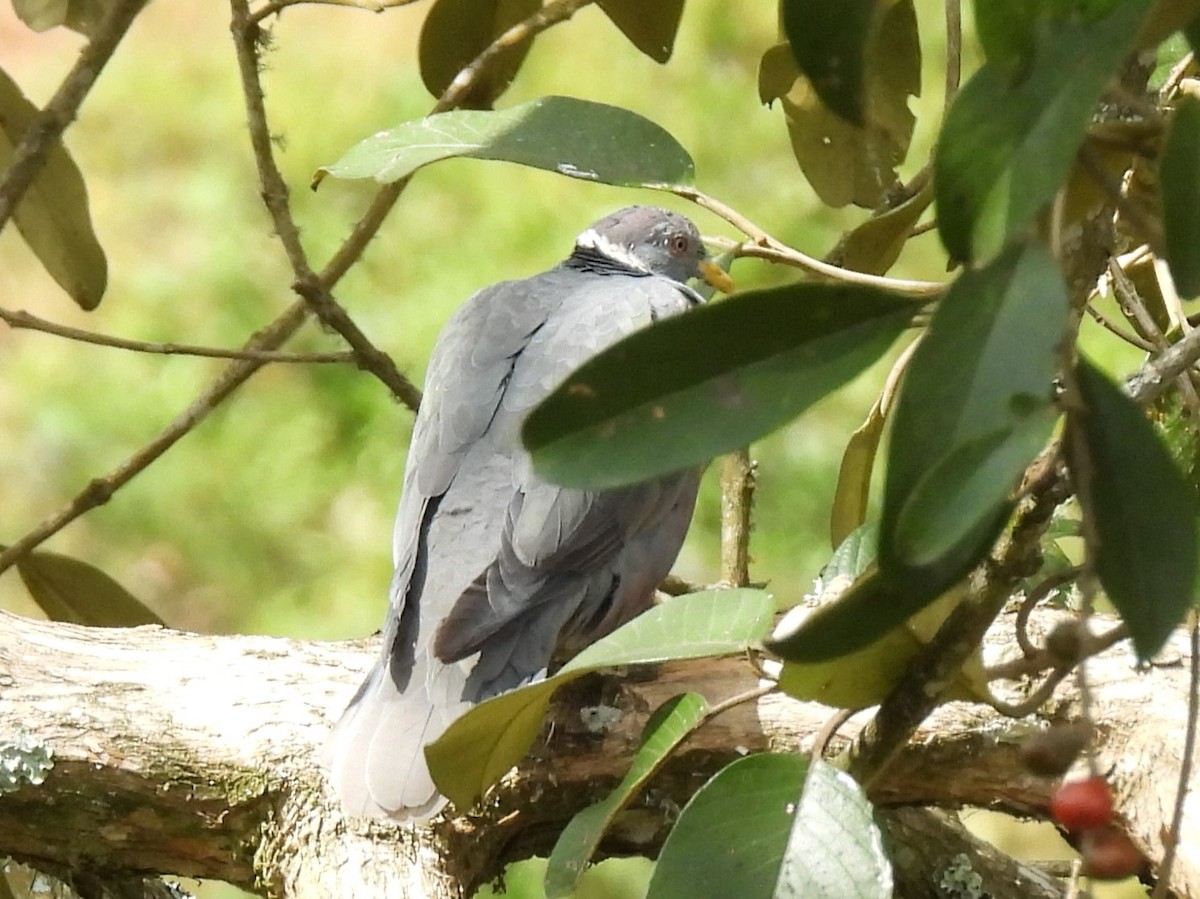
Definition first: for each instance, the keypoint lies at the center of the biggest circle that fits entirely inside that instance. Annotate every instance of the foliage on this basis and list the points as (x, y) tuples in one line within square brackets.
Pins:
[(1042, 160)]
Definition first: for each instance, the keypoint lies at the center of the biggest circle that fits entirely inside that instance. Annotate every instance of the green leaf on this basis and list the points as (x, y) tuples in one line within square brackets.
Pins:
[(845, 162), (1008, 31), (481, 746), (455, 32), (708, 382), (1144, 513), (1006, 147), (875, 245), (651, 27), (573, 137), (69, 590), (772, 826), (669, 726), (1179, 188), (829, 40), (53, 215), (82, 16), (974, 410)]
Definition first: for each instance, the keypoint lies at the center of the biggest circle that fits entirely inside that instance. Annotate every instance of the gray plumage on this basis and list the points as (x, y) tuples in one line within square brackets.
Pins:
[(495, 568)]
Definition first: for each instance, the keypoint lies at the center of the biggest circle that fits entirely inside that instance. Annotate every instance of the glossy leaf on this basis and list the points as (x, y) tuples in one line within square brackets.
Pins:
[(829, 41), (1007, 145), (708, 382), (53, 215), (669, 726), (774, 826), (845, 162), (455, 32), (1179, 188), (1143, 510), (481, 746), (651, 27), (573, 137), (69, 590), (974, 410)]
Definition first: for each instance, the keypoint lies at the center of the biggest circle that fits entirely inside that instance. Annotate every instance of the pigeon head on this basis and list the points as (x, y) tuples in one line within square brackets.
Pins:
[(652, 241)]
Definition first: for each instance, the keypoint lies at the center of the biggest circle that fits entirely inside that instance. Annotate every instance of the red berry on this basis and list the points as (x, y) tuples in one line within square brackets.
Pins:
[(1108, 854), (1082, 804)]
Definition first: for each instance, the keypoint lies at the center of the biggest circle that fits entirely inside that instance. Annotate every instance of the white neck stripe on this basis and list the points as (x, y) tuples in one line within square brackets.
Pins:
[(591, 240)]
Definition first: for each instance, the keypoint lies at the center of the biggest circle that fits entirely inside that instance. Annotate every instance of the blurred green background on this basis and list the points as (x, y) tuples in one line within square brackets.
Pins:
[(274, 516)]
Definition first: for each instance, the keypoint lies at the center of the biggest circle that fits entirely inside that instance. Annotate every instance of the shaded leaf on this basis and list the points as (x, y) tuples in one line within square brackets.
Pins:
[(82, 16), (455, 32), (69, 590), (1007, 146), (669, 726), (1008, 31), (1179, 182), (708, 382), (974, 410), (829, 40), (770, 826), (875, 245), (844, 162), (651, 27), (481, 746), (573, 137), (1143, 509), (53, 214)]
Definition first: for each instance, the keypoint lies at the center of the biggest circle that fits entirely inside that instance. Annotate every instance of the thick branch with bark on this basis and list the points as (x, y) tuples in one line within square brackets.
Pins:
[(196, 755)]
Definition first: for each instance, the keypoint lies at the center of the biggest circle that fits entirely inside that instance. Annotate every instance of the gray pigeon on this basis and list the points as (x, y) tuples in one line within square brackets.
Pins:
[(495, 568)]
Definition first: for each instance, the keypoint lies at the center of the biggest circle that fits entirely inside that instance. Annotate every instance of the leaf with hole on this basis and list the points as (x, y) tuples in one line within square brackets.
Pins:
[(708, 382), (53, 215), (774, 826), (455, 32), (669, 726), (577, 138), (1008, 144), (1143, 510), (481, 746), (71, 590)]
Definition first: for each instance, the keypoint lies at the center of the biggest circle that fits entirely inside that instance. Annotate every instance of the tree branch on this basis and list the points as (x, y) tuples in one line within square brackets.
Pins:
[(196, 755)]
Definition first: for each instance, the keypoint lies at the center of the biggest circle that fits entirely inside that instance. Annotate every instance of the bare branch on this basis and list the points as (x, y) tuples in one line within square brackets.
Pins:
[(737, 504)]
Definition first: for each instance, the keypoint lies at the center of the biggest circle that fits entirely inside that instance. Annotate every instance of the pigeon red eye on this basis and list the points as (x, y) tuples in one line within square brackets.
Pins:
[(680, 245)]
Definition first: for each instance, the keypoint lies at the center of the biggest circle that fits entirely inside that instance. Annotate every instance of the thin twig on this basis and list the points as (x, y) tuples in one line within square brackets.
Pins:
[(48, 125), (953, 50), (763, 246), (1171, 837), (276, 6), (1036, 595), (737, 502), (275, 197), (25, 320), (1043, 660), (1112, 327)]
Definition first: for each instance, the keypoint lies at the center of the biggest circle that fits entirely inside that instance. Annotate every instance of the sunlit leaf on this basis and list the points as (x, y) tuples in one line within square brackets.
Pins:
[(53, 214), (1007, 145), (1179, 188), (481, 746), (573, 137), (1143, 510), (829, 41), (774, 826), (670, 724), (708, 382), (974, 410), (651, 27), (69, 590), (457, 31)]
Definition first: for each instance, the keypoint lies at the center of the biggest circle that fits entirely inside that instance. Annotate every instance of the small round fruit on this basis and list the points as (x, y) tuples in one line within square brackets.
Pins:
[(1109, 854), (1051, 752), (1066, 642), (1080, 805)]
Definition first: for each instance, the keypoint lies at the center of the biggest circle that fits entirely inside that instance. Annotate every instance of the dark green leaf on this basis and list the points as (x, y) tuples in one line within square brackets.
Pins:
[(1144, 513), (708, 382), (481, 746), (69, 590), (1179, 188), (772, 826), (854, 555), (1008, 31), (573, 137), (53, 215), (651, 27), (829, 40), (670, 724), (1007, 147), (974, 409), (457, 31)]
